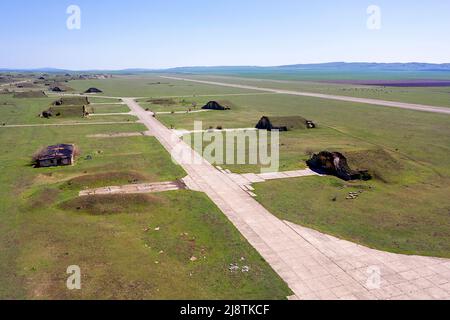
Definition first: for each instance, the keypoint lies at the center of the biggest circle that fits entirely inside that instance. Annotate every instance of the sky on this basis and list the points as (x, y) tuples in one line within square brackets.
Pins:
[(119, 34)]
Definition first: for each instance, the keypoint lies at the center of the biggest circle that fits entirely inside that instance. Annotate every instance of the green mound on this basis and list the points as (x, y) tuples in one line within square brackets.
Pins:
[(104, 179), (379, 162), (71, 101), (113, 204), (30, 94), (67, 111), (282, 123), (59, 87)]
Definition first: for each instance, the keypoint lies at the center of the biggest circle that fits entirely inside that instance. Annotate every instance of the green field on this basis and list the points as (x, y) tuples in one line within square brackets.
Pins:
[(437, 96), (149, 86), (45, 227), (404, 150), (109, 108), (140, 246)]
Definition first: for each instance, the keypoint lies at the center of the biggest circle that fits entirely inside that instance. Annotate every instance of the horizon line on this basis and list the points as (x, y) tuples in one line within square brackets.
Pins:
[(36, 69)]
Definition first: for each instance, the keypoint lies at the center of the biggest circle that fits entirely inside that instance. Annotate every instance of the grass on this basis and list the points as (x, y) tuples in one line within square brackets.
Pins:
[(409, 219), (113, 108), (438, 96), (122, 256), (27, 111), (46, 227), (405, 211), (149, 86)]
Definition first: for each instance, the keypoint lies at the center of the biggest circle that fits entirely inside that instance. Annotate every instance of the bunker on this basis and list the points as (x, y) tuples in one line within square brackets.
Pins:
[(335, 163), (53, 156), (214, 105), (93, 90), (284, 123)]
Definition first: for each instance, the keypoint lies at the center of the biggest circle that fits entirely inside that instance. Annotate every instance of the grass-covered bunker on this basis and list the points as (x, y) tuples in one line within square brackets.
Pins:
[(93, 90), (69, 107), (284, 123), (214, 105)]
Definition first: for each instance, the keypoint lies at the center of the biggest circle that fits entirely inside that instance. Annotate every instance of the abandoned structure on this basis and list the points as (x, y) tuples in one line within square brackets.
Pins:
[(334, 163), (68, 107), (284, 123), (214, 105), (53, 156), (93, 90)]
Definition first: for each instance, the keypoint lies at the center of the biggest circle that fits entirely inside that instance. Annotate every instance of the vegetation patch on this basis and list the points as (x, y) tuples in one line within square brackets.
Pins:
[(71, 101), (379, 162), (43, 198), (104, 179), (30, 94), (112, 204)]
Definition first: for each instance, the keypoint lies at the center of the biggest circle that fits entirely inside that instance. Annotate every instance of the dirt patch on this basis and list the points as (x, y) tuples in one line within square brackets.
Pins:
[(112, 204), (72, 101), (104, 179)]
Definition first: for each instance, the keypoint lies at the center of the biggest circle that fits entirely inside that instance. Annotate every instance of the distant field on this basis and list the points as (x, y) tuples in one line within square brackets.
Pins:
[(404, 150), (435, 96), (149, 86), (317, 75), (111, 108)]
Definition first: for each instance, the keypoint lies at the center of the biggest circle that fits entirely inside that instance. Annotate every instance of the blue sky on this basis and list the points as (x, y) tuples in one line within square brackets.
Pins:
[(118, 34)]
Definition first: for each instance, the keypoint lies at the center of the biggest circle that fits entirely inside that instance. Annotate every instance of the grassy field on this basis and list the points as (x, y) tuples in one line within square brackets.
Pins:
[(128, 247), (404, 209), (141, 246), (26, 111), (149, 86), (111, 108), (438, 96)]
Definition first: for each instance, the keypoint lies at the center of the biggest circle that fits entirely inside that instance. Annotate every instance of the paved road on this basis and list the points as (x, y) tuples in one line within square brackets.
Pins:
[(314, 265), (401, 105)]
